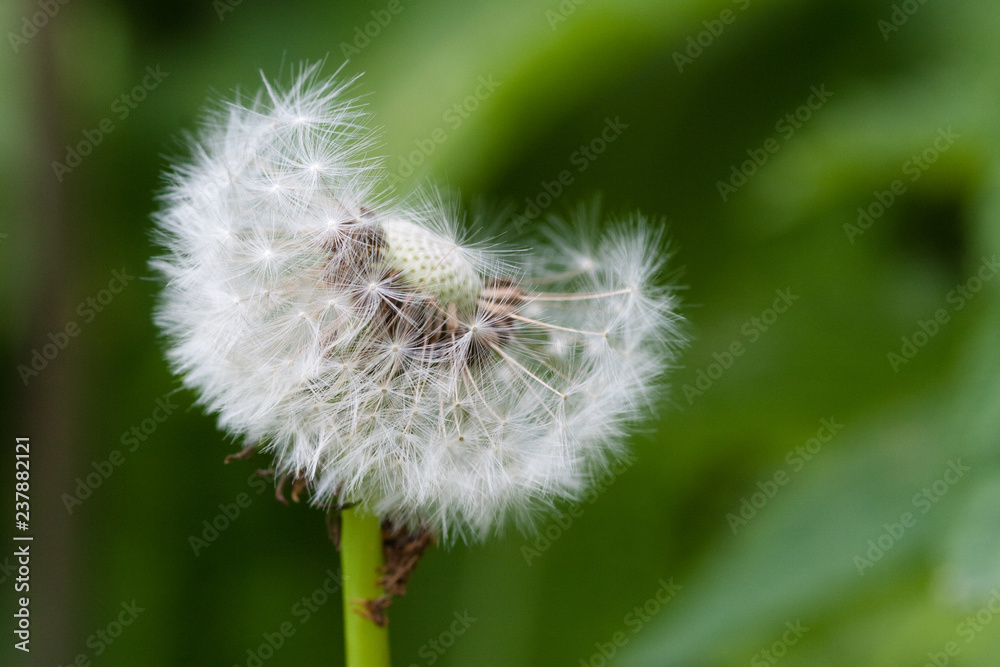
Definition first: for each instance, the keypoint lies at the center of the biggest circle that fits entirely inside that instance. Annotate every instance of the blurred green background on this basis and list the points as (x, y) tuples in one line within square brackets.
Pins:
[(806, 111)]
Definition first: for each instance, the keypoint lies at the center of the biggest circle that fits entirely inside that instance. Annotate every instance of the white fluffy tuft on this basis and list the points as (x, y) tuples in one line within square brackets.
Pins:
[(378, 354)]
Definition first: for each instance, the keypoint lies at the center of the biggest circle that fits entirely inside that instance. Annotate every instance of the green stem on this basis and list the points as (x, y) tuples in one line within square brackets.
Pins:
[(361, 557)]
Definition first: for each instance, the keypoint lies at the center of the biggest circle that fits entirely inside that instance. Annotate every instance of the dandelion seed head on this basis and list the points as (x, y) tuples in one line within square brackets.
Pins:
[(376, 352)]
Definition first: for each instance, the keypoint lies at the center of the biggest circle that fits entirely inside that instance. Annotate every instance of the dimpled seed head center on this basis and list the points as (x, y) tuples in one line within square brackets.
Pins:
[(432, 263)]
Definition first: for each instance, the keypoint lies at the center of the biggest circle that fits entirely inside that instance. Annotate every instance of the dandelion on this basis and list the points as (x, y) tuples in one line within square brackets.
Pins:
[(388, 363)]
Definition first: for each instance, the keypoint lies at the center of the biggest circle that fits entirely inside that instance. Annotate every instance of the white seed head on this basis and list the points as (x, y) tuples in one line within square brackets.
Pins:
[(378, 355)]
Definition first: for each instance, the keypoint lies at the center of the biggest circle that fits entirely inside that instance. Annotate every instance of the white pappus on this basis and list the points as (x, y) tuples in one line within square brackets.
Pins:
[(375, 352)]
